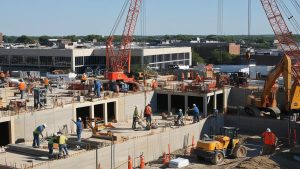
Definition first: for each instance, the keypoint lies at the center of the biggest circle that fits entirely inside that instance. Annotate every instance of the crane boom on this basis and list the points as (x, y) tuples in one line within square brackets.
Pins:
[(118, 62)]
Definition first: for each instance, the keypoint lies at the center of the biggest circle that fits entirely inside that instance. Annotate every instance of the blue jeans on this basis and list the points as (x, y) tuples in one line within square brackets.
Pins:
[(98, 92), (36, 140), (50, 147), (63, 149), (79, 135), (148, 119), (22, 93)]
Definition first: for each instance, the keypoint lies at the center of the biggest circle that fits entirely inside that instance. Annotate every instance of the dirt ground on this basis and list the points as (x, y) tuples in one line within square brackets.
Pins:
[(280, 160)]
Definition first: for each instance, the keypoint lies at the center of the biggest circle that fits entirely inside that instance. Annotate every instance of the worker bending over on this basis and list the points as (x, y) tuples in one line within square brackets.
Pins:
[(79, 128), (196, 114), (36, 135), (22, 88), (269, 140), (52, 140), (83, 78), (135, 117), (62, 141)]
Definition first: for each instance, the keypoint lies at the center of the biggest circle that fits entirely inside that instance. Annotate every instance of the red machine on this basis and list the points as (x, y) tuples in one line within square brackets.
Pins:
[(118, 60)]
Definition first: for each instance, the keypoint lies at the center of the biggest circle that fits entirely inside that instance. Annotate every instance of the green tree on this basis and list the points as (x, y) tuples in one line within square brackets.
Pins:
[(91, 37), (73, 38), (24, 39), (221, 57), (44, 39), (196, 58)]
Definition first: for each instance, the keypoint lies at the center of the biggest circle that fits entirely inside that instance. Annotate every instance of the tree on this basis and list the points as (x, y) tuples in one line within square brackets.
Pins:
[(196, 58), (24, 39), (90, 38), (44, 39)]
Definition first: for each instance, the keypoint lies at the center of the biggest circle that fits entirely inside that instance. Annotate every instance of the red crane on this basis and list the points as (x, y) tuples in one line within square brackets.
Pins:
[(118, 60)]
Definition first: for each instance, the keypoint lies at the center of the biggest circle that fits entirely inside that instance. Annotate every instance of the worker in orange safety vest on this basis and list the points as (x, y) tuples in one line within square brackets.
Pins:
[(83, 78), (270, 141), (148, 114), (22, 88)]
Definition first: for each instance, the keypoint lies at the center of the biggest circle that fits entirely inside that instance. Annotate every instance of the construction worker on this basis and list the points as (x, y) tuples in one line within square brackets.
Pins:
[(79, 128), (22, 88), (269, 140), (2, 76), (97, 88), (180, 118), (135, 117), (62, 141), (36, 133), (154, 84), (196, 113), (148, 114), (46, 83), (83, 78), (52, 140)]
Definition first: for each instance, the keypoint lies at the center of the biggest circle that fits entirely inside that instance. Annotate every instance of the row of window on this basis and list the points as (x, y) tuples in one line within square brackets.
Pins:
[(165, 65), (166, 57), (35, 60), (89, 60)]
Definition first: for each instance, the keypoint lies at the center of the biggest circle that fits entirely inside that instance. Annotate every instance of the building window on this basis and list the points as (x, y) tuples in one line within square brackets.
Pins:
[(160, 58), (4, 60), (187, 55), (46, 60), (181, 56), (16, 60), (167, 57), (186, 62), (79, 61), (174, 56), (62, 61), (31, 60)]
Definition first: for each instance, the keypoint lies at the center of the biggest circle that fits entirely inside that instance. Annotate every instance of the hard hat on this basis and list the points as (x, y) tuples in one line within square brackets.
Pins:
[(268, 130), (79, 118), (194, 105), (45, 125), (180, 109), (54, 134), (58, 133)]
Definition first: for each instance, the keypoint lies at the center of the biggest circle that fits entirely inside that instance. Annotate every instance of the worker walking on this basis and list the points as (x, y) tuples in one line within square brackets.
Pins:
[(196, 114), (62, 141), (52, 140), (269, 140), (83, 78), (97, 88), (22, 88), (46, 83), (36, 135), (135, 117), (79, 128), (148, 114)]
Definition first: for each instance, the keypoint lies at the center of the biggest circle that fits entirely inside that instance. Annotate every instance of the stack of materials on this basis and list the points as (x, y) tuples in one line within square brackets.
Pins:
[(179, 163)]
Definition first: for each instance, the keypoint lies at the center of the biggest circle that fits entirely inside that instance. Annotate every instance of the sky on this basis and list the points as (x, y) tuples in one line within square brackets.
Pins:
[(163, 17)]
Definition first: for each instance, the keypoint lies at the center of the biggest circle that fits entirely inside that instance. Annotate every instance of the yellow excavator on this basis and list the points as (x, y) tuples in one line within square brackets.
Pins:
[(288, 67), (226, 145)]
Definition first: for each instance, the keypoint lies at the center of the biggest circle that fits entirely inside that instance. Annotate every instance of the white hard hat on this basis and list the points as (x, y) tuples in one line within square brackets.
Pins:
[(180, 109), (194, 105), (268, 130), (45, 125), (58, 133), (54, 134), (79, 118)]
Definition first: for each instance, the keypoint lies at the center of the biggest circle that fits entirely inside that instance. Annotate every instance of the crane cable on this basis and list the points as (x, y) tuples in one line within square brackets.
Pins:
[(296, 5), (116, 25), (289, 15)]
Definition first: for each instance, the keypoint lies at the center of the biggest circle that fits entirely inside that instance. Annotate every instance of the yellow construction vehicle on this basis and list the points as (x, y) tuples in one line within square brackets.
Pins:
[(227, 144)]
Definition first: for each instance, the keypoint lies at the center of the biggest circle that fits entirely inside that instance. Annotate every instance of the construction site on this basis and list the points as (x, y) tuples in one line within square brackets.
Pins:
[(185, 117)]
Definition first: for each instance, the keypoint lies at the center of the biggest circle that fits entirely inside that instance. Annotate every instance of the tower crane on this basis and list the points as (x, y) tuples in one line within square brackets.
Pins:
[(288, 67), (118, 60)]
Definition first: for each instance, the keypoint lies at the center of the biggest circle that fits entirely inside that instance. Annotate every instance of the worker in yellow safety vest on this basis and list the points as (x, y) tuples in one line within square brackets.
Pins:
[(62, 141)]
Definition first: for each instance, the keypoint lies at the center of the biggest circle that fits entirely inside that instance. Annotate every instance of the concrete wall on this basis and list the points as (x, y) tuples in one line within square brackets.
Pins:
[(24, 124), (127, 103), (151, 146), (252, 125)]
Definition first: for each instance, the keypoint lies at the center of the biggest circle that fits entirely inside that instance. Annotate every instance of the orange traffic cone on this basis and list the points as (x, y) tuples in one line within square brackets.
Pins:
[(165, 159), (142, 159), (129, 162)]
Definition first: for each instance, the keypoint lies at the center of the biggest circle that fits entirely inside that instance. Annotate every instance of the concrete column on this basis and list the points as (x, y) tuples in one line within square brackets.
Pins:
[(224, 100), (215, 100), (205, 105), (105, 113), (12, 135), (186, 102), (169, 103), (92, 112), (73, 128), (116, 111)]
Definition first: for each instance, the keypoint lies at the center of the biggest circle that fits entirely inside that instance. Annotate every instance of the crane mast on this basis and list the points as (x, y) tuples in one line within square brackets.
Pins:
[(118, 62), (289, 64)]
